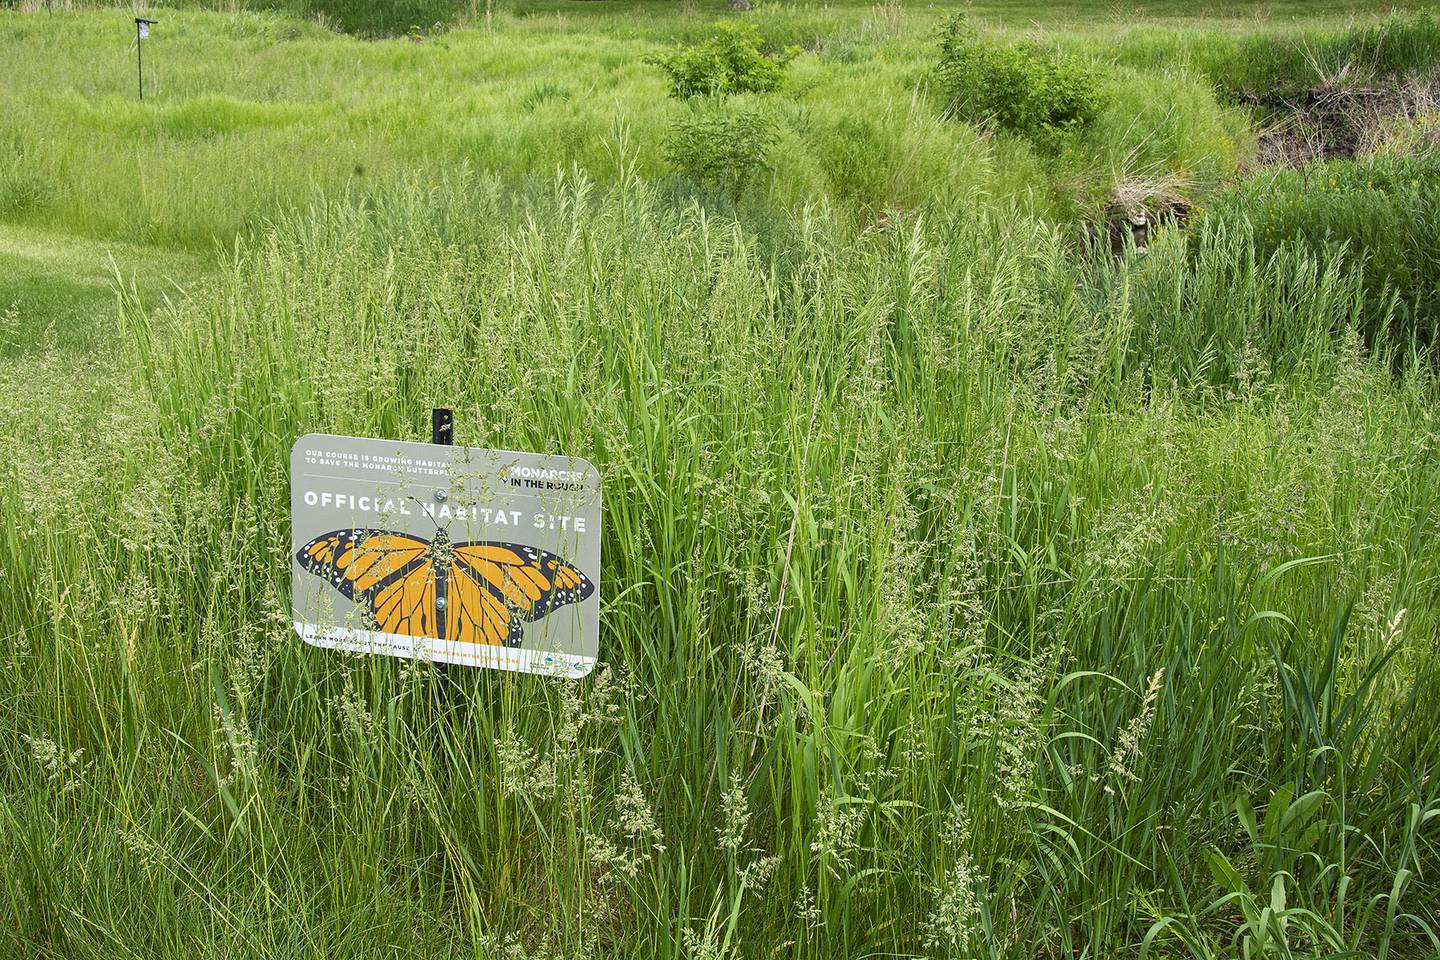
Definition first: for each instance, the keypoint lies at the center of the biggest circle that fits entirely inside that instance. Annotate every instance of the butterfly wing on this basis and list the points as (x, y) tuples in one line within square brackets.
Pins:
[(356, 562), (388, 573), (474, 614), (491, 588), (406, 603), (495, 586)]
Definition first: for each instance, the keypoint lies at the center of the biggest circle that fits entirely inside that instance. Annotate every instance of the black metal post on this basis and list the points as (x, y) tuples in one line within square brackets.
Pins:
[(142, 30), (442, 431), (442, 426)]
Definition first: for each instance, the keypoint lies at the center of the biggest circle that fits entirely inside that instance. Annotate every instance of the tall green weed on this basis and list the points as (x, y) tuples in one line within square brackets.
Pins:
[(721, 147)]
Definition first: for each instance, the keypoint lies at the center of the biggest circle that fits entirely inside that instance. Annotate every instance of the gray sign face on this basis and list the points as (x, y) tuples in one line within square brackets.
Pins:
[(455, 554)]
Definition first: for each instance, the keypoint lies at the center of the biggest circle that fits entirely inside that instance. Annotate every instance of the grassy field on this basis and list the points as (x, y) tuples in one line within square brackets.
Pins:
[(248, 115), (969, 591), (58, 291)]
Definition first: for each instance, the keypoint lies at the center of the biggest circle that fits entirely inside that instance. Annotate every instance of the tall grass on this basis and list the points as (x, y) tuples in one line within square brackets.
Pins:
[(1372, 213), (960, 600)]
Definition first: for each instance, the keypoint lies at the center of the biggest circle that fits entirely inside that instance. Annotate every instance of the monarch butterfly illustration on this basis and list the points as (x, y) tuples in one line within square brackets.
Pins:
[(481, 591)]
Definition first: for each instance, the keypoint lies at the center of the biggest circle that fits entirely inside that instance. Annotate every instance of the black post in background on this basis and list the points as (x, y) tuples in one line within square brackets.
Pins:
[(142, 30)]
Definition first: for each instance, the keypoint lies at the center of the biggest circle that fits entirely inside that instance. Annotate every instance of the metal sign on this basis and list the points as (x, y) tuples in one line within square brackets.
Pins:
[(454, 554)]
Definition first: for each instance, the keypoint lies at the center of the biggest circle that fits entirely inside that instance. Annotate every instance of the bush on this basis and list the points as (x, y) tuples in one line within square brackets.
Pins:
[(729, 61), (1018, 87), (721, 149), (1376, 214)]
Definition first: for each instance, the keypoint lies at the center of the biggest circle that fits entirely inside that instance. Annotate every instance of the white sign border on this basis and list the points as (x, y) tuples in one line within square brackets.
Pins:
[(519, 659)]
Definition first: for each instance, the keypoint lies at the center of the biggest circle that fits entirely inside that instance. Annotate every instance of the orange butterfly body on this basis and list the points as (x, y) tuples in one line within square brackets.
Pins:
[(480, 591)]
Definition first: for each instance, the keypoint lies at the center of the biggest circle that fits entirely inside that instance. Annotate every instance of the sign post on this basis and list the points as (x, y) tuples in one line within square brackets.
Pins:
[(444, 553), (442, 426), (142, 30), (442, 433)]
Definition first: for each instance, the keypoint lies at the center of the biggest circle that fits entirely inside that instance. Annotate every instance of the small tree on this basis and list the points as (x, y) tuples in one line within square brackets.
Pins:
[(1018, 87), (729, 61)]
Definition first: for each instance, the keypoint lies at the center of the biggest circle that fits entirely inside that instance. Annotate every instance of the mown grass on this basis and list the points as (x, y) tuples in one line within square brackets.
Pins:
[(953, 608), (57, 292)]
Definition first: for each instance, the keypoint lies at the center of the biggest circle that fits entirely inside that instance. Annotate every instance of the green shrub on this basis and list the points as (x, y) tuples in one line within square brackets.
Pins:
[(1376, 214), (719, 148), (857, 157), (1018, 87), (731, 60)]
